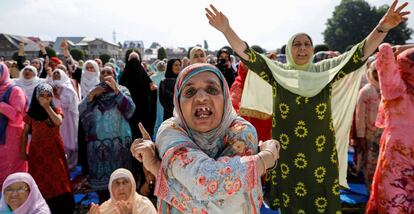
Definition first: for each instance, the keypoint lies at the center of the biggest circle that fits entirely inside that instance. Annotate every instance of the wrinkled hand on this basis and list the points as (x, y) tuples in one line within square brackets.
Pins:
[(217, 19), (123, 207), (64, 45), (143, 149), (273, 146), (94, 209), (394, 16), (110, 81), (45, 102), (95, 92)]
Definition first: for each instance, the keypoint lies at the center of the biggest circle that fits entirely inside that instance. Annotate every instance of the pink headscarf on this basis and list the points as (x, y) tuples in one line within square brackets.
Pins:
[(35, 203), (4, 79)]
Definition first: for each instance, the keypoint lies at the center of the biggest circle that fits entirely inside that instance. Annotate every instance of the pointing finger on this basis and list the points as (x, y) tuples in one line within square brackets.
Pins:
[(144, 132)]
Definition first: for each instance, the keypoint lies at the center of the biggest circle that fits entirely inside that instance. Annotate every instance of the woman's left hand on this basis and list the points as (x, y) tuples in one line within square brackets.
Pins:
[(110, 81), (124, 207), (394, 16)]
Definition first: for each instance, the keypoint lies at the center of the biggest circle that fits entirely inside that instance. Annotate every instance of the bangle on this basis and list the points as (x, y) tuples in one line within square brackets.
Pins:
[(264, 162), (380, 29)]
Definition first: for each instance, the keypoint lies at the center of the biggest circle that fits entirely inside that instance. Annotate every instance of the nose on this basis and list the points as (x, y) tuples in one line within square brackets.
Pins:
[(201, 95)]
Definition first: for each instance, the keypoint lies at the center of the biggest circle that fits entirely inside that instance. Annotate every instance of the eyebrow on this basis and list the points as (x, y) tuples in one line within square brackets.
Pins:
[(208, 81)]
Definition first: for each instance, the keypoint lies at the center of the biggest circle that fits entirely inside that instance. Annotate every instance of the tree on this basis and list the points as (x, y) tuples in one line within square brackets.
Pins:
[(161, 53), (353, 20), (105, 58), (77, 54)]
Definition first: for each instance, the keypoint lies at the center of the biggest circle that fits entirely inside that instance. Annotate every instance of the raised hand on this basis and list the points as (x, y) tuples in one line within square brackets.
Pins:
[(143, 149), (110, 81), (124, 207), (217, 19), (64, 45), (94, 209), (394, 16), (45, 102)]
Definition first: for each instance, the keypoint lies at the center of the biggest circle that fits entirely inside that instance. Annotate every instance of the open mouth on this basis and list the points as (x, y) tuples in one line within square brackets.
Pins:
[(203, 112)]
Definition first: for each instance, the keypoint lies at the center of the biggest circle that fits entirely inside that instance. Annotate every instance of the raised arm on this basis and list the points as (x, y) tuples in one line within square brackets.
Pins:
[(392, 18), (219, 21)]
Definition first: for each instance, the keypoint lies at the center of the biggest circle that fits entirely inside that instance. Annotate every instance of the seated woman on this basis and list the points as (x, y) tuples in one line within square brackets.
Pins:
[(124, 198), (22, 196), (210, 160)]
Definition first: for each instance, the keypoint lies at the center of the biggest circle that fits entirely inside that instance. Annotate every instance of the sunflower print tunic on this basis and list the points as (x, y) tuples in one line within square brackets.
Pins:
[(306, 178)]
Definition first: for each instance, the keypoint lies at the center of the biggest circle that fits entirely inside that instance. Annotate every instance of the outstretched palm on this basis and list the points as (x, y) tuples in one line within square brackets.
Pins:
[(217, 19), (394, 16)]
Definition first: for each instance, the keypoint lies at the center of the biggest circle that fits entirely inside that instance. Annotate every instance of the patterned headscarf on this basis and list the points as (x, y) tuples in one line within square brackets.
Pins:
[(207, 141), (36, 111), (35, 203)]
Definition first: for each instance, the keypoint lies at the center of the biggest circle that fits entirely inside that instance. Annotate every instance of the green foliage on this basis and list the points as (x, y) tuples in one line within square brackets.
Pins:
[(353, 20), (105, 58), (77, 54), (161, 53), (321, 47)]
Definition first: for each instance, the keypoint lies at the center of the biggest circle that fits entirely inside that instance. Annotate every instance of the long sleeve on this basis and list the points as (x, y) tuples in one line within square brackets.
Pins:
[(189, 178), (257, 64), (125, 103), (209, 179), (14, 111), (361, 113), (391, 84)]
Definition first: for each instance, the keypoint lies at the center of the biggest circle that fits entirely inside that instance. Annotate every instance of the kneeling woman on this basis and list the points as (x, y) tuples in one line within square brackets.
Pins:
[(210, 159), (22, 196), (124, 198)]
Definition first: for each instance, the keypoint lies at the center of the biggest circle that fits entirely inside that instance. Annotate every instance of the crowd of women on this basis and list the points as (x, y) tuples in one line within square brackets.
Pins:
[(177, 131)]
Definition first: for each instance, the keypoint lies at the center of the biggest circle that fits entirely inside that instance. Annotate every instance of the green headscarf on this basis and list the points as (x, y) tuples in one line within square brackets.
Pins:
[(289, 58)]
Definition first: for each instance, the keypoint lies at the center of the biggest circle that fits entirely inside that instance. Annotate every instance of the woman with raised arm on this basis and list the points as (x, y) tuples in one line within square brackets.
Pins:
[(312, 112)]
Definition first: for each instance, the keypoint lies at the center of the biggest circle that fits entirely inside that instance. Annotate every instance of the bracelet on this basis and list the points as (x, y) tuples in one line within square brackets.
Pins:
[(264, 162)]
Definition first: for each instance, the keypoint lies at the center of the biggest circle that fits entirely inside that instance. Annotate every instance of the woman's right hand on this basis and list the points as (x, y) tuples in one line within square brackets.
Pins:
[(95, 92), (143, 149), (217, 19), (94, 209)]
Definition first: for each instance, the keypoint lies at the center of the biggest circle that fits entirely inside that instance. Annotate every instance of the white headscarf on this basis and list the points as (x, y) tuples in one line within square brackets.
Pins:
[(89, 79), (34, 204), (28, 85), (140, 204)]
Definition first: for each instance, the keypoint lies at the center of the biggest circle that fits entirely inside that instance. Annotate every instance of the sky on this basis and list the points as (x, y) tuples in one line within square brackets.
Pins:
[(179, 23)]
